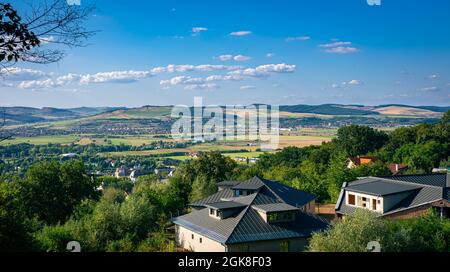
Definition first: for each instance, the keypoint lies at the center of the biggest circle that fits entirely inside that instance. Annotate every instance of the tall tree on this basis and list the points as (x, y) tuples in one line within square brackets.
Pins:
[(359, 140)]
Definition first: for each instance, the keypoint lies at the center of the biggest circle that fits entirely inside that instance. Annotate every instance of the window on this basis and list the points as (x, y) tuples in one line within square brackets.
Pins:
[(201, 240), (192, 236), (284, 246), (211, 211), (351, 199), (374, 204)]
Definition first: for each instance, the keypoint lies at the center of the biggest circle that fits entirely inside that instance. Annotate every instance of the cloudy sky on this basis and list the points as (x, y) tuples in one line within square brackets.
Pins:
[(238, 52)]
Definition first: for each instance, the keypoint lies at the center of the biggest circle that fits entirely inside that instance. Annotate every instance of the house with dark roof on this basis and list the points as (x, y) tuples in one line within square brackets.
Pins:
[(257, 215), (401, 196)]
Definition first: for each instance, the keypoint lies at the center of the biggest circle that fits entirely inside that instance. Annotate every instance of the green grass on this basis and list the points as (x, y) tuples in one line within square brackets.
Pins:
[(42, 140)]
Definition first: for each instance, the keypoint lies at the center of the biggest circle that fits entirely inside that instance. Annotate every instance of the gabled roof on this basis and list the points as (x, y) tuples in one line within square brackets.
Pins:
[(247, 225), (379, 187), (252, 184)]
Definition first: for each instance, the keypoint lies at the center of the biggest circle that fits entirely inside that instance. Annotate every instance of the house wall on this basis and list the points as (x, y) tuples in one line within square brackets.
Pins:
[(295, 245), (414, 212), (310, 207), (183, 239), (358, 204), (392, 200)]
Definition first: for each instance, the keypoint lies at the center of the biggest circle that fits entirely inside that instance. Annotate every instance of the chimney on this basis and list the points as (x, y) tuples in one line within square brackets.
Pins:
[(397, 167)]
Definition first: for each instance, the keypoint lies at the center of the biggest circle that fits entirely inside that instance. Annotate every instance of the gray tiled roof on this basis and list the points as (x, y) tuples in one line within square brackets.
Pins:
[(380, 187), (217, 197), (225, 205), (426, 179), (252, 184), (289, 195), (274, 207), (247, 225)]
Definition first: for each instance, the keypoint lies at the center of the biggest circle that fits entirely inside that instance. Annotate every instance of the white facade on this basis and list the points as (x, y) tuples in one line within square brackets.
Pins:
[(369, 202)]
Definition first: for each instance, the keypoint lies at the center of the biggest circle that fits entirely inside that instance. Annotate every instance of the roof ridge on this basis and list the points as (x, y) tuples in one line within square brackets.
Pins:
[(239, 221), (270, 189), (407, 182)]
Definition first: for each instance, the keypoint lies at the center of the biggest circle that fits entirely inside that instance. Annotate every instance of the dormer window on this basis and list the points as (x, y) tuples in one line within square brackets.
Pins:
[(277, 212), (224, 209), (281, 217)]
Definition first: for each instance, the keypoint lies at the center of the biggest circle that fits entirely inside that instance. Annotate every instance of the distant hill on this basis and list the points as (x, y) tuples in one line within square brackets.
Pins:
[(27, 115), (327, 109)]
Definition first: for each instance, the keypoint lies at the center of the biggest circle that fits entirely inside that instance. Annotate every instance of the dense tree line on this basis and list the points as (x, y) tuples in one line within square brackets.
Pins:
[(427, 233)]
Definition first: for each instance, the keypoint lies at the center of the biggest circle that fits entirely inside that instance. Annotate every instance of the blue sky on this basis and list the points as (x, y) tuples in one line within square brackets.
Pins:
[(240, 52)]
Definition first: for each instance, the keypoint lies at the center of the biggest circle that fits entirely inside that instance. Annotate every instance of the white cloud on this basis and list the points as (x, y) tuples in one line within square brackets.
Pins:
[(235, 58), (302, 38), (198, 30), (21, 74), (37, 84), (208, 86), (342, 50), (188, 80), (270, 55), (433, 76), (248, 87), (354, 82), (242, 58), (351, 83), (115, 77), (334, 44), (431, 89), (226, 57), (193, 68), (241, 33), (339, 47), (265, 70)]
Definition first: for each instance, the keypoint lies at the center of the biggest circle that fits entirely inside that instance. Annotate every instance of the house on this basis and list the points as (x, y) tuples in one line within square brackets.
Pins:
[(354, 162), (397, 197), (121, 172), (253, 216), (194, 154), (397, 168)]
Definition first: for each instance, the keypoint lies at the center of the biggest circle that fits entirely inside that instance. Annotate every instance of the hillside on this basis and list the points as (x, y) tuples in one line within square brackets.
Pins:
[(85, 115)]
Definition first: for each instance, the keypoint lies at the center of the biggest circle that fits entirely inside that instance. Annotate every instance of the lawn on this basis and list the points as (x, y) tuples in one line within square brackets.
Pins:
[(42, 140)]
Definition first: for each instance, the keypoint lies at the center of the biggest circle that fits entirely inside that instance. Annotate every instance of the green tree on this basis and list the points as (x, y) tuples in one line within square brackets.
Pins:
[(202, 187), (359, 140), (350, 235), (51, 191), (14, 227)]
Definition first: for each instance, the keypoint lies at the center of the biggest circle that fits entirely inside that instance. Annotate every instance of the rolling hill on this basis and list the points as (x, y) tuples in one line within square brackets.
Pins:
[(27, 115)]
